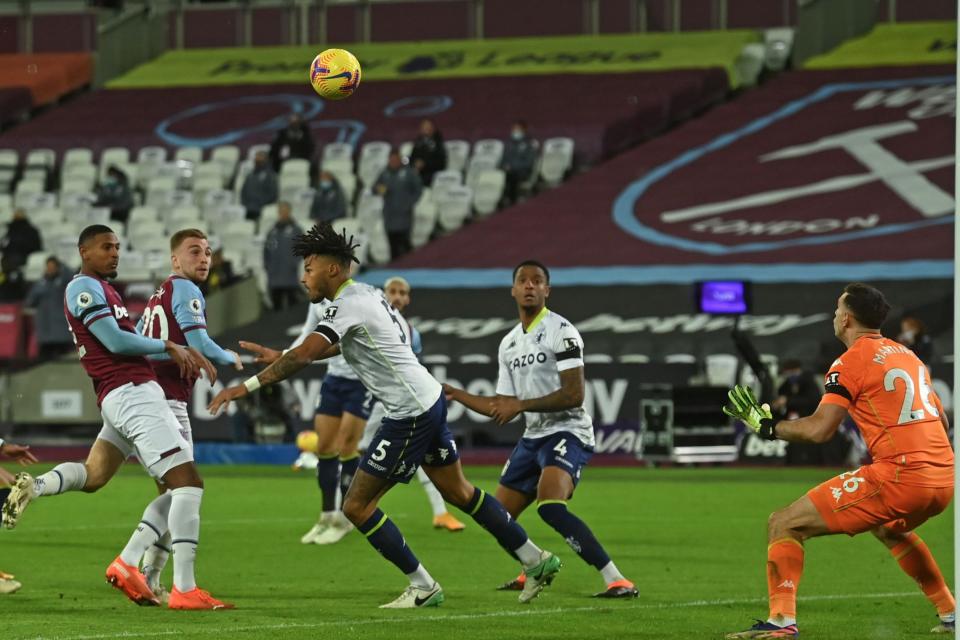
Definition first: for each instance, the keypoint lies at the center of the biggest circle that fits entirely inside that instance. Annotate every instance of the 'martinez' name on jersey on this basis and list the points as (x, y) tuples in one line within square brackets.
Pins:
[(373, 338), (530, 365)]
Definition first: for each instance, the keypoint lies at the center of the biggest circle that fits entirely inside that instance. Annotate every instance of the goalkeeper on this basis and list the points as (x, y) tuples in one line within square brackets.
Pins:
[(886, 389)]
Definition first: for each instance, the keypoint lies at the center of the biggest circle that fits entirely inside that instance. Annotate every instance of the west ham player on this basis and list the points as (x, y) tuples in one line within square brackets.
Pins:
[(886, 390), (362, 325), (136, 419), (541, 376), (23, 454), (177, 312)]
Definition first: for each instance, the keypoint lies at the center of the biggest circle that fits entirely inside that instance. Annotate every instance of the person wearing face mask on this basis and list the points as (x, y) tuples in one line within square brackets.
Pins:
[(519, 156), (293, 141), (260, 187), (428, 155), (114, 192), (283, 269), (329, 202), (913, 334), (400, 188)]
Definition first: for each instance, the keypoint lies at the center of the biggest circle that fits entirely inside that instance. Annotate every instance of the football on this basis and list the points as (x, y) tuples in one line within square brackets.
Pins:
[(335, 74), (307, 441)]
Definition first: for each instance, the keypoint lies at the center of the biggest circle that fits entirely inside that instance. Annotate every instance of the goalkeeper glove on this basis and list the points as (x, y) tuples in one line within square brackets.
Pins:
[(744, 406)]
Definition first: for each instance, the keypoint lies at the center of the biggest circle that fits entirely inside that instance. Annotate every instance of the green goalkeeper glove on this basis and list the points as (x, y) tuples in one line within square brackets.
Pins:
[(744, 407)]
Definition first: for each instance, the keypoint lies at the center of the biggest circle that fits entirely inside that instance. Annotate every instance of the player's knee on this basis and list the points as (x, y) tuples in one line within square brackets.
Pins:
[(357, 511), (553, 513), (776, 524), (460, 494)]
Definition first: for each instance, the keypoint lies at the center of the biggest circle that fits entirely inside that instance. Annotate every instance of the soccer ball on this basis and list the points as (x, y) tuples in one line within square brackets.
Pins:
[(307, 441), (335, 74)]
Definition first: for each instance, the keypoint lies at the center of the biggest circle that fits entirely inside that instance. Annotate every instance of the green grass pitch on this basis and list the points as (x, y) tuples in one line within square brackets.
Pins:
[(692, 540)]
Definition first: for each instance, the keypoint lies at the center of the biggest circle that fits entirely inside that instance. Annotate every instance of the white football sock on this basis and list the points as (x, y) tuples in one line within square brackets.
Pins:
[(782, 621), (184, 521), (155, 559), (151, 527), (68, 476), (529, 554), (433, 495), (420, 578), (610, 573)]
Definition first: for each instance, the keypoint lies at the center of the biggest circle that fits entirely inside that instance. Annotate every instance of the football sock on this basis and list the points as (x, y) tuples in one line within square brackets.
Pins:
[(155, 559), (152, 526), (387, 539), (184, 521), (348, 467), (610, 573), (915, 559), (784, 568), (574, 531), (328, 478), (68, 476), (433, 495), (491, 515), (420, 578)]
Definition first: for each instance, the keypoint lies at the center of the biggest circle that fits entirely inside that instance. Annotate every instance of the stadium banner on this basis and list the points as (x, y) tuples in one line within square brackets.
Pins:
[(449, 59), (815, 176), (906, 43)]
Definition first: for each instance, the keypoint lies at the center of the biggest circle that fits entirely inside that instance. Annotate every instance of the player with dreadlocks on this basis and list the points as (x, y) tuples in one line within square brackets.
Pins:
[(361, 324)]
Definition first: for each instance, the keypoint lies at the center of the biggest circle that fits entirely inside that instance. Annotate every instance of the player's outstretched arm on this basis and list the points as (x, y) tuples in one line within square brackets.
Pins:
[(316, 346), (568, 396), (480, 404), (816, 429), (200, 340)]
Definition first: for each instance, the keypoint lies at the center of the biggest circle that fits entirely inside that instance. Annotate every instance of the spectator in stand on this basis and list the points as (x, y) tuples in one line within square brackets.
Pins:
[(329, 202), (282, 267), (260, 187), (401, 188), (115, 193), (12, 286), (45, 300), (20, 240), (429, 155), (913, 334), (221, 273), (519, 158), (799, 395), (293, 141)]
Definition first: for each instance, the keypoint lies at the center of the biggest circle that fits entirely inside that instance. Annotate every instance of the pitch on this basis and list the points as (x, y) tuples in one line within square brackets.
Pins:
[(693, 539)]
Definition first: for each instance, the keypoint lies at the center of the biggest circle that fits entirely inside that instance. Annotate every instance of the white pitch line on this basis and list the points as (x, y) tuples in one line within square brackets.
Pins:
[(462, 616)]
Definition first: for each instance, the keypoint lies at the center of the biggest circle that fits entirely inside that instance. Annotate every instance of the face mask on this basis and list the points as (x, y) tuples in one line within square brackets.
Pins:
[(325, 184), (516, 134), (909, 335), (111, 181)]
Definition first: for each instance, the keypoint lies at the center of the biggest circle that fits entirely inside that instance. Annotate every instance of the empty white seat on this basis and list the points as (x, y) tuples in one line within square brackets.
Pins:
[(152, 155), (227, 156), (77, 155), (291, 184), (204, 184), (215, 198), (721, 369), (30, 195), (75, 186), (301, 200), (80, 171), (556, 160), (295, 167), (44, 158), (211, 169), (45, 217), (369, 210), (183, 217), (77, 200), (225, 214), (28, 186), (161, 183), (458, 151), (477, 166), (36, 265), (190, 154), (349, 185), (143, 213), (444, 180), (268, 217), (373, 160), (379, 250), (489, 148), (453, 207), (9, 158), (98, 215), (406, 148), (424, 219), (339, 154), (487, 191), (351, 228)]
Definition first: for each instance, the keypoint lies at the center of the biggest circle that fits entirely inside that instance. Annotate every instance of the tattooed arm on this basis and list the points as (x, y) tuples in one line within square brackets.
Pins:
[(315, 347)]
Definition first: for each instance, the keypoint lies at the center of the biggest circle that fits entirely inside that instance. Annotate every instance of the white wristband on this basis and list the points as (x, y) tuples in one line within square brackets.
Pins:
[(252, 384), (1, 443)]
